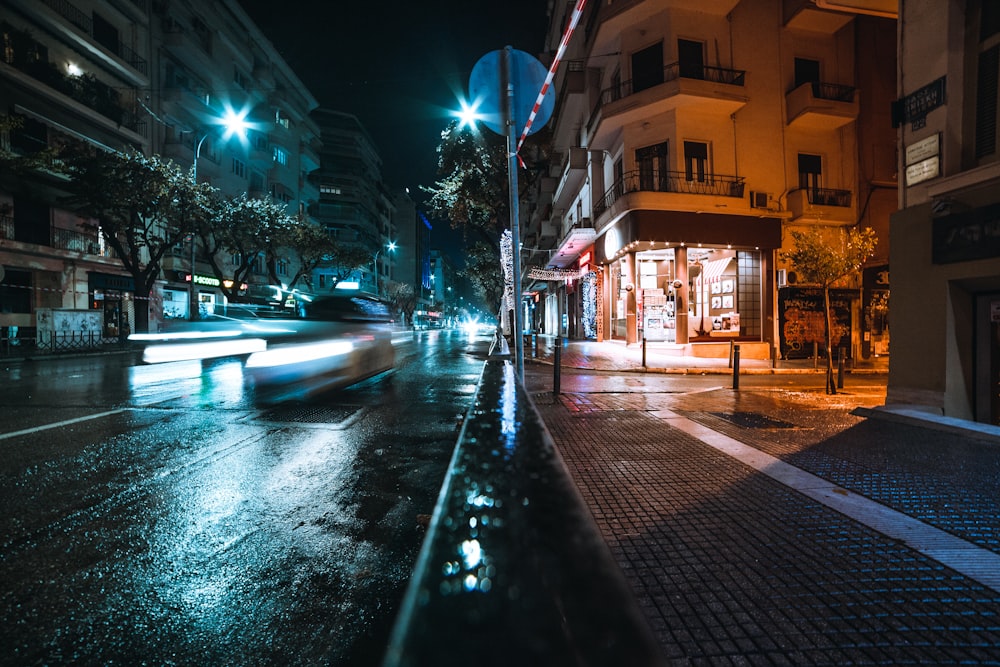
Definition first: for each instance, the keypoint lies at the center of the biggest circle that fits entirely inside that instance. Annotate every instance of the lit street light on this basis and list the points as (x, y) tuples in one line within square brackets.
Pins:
[(231, 123), (391, 247)]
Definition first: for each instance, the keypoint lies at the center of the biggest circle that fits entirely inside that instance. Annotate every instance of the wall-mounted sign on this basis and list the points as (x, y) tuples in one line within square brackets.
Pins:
[(923, 149), (916, 105), (923, 170), (612, 243)]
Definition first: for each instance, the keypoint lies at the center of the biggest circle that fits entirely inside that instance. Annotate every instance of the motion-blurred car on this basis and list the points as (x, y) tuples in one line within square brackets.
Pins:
[(340, 340)]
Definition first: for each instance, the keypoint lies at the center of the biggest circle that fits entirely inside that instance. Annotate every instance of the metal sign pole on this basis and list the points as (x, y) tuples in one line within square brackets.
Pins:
[(506, 79)]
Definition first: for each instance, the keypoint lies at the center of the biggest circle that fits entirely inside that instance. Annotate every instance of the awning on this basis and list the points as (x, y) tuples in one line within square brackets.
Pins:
[(714, 268)]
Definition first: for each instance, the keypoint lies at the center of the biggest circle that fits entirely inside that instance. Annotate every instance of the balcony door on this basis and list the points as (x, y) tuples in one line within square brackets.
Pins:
[(811, 175), (806, 71), (695, 161), (652, 164), (691, 59), (647, 67)]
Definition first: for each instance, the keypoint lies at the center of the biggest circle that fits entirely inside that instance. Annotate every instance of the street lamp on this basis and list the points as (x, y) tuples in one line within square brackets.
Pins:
[(232, 122), (391, 247)]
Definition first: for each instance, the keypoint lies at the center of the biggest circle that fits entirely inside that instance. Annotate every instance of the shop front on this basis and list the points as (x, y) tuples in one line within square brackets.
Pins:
[(114, 297), (688, 278)]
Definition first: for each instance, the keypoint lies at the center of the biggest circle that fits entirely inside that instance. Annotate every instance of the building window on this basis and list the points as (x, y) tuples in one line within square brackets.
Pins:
[(281, 267), (239, 168), (281, 156), (322, 280), (239, 78), (281, 119), (695, 161), (810, 172), (331, 190)]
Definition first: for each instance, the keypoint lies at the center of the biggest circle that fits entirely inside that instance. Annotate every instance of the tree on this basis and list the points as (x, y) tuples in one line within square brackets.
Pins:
[(820, 263), (243, 228), (403, 299), (141, 205), (483, 270), (472, 194)]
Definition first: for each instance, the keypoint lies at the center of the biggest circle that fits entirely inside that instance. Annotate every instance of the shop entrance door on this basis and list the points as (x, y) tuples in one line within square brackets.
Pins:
[(988, 357)]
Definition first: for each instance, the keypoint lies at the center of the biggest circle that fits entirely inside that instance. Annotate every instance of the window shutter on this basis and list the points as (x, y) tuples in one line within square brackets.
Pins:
[(986, 102)]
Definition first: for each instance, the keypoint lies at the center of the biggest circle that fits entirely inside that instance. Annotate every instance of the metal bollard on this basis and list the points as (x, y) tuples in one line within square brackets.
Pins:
[(643, 351), (736, 366), (840, 367), (556, 366)]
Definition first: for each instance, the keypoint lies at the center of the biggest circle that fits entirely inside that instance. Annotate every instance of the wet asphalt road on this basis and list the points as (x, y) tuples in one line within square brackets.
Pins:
[(156, 515)]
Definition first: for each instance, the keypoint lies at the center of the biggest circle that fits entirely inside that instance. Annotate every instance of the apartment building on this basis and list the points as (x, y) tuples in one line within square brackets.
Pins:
[(153, 76), (212, 60), (693, 137), (946, 236), (69, 70)]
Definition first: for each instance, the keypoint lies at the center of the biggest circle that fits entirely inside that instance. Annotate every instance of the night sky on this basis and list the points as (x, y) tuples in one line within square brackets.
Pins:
[(398, 66)]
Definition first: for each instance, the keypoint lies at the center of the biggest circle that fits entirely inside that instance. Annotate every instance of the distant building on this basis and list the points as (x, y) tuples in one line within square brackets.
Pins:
[(353, 204), (946, 237), (152, 76), (689, 139)]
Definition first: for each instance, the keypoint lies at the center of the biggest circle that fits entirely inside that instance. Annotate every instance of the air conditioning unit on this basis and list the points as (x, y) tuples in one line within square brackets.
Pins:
[(782, 277), (759, 199)]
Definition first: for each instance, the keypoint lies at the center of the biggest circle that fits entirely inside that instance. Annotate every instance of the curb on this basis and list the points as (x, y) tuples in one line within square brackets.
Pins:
[(921, 418)]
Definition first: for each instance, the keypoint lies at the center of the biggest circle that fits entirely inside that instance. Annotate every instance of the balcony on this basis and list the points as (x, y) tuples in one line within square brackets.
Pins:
[(821, 106), (676, 182), (85, 23), (703, 88), (821, 205)]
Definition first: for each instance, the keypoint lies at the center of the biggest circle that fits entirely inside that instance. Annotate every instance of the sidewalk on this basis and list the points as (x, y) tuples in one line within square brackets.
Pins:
[(765, 526)]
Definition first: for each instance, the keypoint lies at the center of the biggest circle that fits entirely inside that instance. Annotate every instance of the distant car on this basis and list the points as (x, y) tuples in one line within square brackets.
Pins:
[(339, 341)]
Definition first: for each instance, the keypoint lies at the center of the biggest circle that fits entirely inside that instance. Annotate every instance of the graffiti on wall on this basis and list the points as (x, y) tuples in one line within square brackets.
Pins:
[(803, 321)]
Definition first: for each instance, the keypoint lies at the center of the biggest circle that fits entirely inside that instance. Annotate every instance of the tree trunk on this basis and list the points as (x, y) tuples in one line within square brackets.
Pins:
[(831, 385)]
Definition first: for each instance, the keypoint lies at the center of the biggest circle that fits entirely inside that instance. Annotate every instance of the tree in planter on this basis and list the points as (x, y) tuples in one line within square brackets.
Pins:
[(820, 263), (142, 206)]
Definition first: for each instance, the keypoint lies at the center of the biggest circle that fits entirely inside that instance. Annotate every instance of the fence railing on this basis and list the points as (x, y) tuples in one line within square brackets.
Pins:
[(719, 185), (26, 342), (513, 570)]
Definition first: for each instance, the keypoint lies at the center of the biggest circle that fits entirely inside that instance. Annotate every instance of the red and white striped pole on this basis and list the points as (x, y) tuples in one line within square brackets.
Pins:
[(574, 19)]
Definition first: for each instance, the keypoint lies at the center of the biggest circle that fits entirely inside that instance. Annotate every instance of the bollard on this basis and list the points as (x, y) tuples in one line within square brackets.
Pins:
[(643, 351), (815, 355), (840, 367), (556, 366), (731, 344), (736, 366)]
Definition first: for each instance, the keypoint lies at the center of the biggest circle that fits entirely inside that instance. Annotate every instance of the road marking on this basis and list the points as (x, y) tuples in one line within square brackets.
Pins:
[(960, 555), (67, 422)]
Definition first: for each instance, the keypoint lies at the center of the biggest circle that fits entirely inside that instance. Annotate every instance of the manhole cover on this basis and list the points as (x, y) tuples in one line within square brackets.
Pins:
[(310, 414), (752, 420)]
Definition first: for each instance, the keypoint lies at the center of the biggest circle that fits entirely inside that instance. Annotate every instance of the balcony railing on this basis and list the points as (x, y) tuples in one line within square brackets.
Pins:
[(828, 197), (673, 71), (85, 23), (671, 181), (832, 91)]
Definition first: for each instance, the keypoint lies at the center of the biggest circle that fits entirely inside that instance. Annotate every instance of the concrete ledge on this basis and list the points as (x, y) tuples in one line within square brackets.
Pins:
[(915, 416), (513, 570)]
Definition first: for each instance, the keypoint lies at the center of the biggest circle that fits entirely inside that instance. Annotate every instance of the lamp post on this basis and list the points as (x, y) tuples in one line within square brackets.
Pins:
[(231, 123), (391, 247)]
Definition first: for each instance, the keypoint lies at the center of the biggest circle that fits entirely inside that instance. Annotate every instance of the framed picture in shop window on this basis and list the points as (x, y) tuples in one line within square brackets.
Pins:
[(716, 287), (716, 302), (727, 286), (727, 301)]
